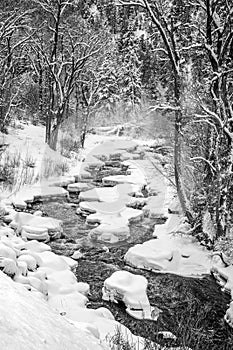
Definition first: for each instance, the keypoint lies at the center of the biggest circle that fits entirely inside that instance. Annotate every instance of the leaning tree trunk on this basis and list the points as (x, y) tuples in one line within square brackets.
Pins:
[(177, 150)]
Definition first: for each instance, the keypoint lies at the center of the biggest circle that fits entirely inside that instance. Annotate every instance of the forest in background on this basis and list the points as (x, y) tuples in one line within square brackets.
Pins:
[(121, 61)]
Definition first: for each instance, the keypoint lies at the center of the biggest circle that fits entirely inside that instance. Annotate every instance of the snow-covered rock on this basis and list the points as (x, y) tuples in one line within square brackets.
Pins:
[(78, 187), (19, 203), (10, 216), (8, 266), (38, 213), (101, 194), (92, 162), (135, 178), (37, 247), (131, 289), (41, 191), (37, 233), (6, 251), (6, 231), (110, 233), (85, 209), (114, 227), (52, 261), (33, 225), (49, 193), (29, 260), (174, 254), (77, 255), (61, 181)]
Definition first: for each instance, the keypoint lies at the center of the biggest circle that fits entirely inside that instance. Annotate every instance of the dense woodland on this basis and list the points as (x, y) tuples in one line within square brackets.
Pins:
[(64, 59)]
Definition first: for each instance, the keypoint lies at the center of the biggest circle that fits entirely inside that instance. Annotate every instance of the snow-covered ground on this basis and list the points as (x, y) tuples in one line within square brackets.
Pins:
[(27, 322)]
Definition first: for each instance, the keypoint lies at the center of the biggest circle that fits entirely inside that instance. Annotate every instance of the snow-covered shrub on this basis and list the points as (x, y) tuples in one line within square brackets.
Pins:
[(53, 167), (68, 145), (16, 170), (9, 165)]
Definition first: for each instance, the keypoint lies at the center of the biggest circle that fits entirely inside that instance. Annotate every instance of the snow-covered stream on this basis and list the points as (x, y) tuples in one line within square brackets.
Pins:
[(116, 196)]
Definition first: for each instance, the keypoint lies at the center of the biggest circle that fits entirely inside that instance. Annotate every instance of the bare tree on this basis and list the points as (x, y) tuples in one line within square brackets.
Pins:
[(207, 34), (14, 35), (72, 45), (165, 24), (216, 40)]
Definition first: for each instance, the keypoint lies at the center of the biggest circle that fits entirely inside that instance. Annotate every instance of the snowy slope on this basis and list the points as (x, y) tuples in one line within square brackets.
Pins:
[(27, 322)]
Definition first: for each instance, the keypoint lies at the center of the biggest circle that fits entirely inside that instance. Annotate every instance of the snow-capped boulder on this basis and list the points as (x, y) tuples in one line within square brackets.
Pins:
[(29, 260), (131, 289), (34, 233), (61, 181), (110, 233), (6, 231), (19, 203), (100, 194), (7, 252), (38, 213), (179, 255), (10, 217), (37, 247), (33, 225), (79, 187), (8, 266), (52, 261)]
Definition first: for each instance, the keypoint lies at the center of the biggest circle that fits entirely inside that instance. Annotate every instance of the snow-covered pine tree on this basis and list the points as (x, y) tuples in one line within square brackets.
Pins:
[(130, 77)]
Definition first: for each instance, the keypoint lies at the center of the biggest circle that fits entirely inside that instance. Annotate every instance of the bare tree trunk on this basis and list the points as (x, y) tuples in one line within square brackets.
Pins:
[(48, 127), (50, 116), (40, 94), (84, 129), (54, 137)]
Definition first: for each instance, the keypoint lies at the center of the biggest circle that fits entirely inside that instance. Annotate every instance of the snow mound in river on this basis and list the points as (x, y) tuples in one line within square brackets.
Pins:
[(131, 289)]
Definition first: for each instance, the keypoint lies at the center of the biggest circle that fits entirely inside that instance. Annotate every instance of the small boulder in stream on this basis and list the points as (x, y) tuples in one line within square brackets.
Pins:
[(131, 289)]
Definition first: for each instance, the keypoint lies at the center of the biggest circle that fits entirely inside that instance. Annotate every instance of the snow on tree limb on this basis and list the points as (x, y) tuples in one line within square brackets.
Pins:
[(204, 160), (164, 108)]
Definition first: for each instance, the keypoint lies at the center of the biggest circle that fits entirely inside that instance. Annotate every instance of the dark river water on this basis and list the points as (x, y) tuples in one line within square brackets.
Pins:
[(191, 308)]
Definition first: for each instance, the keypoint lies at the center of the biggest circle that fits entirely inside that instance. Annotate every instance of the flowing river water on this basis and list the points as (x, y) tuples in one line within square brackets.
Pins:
[(192, 308)]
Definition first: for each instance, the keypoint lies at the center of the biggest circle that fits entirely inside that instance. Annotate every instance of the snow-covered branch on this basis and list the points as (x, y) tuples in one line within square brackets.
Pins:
[(204, 160), (130, 3), (160, 50), (204, 120), (191, 47), (164, 107)]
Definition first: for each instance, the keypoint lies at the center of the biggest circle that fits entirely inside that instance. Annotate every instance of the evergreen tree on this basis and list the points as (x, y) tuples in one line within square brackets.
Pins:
[(130, 77)]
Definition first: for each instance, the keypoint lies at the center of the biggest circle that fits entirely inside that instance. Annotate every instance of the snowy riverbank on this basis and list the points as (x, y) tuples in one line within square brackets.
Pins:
[(109, 209)]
